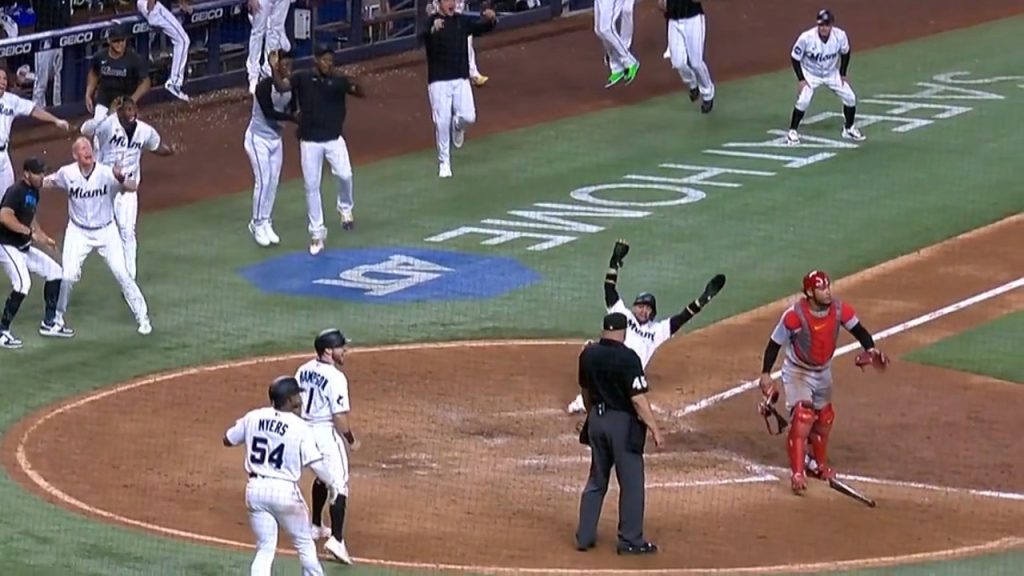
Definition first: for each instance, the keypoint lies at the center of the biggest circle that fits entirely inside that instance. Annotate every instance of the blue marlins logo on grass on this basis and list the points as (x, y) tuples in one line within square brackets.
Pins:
[(390, 274)]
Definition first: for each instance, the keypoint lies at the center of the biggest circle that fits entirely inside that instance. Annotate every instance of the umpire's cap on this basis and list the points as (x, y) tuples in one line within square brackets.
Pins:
[(648, 299), (330, 338), (282, 389), (825, 17)]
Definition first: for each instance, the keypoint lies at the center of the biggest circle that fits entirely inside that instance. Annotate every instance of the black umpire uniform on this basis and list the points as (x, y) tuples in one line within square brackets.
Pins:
[(613, 383)]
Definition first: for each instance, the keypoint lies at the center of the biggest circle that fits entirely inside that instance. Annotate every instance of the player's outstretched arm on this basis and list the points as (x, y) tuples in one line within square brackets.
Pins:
[(44, 116), (713, 287), (611, 278), (487, 21)]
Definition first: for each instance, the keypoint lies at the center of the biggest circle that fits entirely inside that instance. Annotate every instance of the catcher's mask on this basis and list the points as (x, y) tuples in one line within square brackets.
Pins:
[(648, 299)]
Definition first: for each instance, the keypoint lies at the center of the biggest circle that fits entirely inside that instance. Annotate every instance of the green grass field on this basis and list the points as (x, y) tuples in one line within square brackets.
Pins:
[(992, 349), (898, 192)]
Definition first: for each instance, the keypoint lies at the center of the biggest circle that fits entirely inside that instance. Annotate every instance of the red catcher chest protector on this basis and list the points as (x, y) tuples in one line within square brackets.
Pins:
[(815, 343)]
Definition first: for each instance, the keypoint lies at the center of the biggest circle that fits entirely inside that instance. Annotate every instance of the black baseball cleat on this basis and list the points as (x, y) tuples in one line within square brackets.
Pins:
[(584, 547), (706, 106), (694, 94), (645, 548)]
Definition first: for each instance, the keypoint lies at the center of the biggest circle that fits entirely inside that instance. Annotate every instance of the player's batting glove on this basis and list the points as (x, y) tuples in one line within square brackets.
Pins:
[(618, 254), (714, 286)]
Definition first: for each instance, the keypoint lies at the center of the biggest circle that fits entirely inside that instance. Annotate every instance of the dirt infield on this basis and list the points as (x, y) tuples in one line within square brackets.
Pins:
[(467, 459), (538, 74)]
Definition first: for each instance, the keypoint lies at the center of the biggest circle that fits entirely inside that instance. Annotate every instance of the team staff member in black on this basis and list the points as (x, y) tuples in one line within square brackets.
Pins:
[(19, 258), (320, 95), (618, 418), (50, 15), (446, 37), (117, 71)]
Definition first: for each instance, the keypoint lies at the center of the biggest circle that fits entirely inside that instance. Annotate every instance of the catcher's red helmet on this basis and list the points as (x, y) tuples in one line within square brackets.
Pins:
[(816, 279)]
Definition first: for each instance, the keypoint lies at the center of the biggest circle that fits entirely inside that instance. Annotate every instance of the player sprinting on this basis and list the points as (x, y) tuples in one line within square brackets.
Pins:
[(263, 146), (278, 445), (122, 138), (90, 187), (644, 334), (326, 406), (810, 330), (821, 57)]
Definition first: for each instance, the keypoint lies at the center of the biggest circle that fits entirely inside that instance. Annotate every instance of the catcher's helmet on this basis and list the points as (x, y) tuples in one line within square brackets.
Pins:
[(816, 279), (330, 338), (648, 299), (825, 17), (282, 389)]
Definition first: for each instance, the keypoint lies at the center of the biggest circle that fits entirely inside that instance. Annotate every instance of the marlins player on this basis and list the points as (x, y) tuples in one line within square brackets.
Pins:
[(644, 334), (810, 330), (265, 149), (821, 57), (266, 35), (12, 106), (686, 31), (122, 138), (278, 445), (158, 14), (448, 87), (90, 187), (117, 71), (326, 405), (623, 64)]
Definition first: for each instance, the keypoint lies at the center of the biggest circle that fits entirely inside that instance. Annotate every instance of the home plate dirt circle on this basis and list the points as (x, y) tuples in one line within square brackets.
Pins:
[(467, 462)]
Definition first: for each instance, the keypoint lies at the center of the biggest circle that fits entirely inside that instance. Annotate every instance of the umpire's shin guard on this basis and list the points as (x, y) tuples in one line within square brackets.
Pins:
[(338, 518)]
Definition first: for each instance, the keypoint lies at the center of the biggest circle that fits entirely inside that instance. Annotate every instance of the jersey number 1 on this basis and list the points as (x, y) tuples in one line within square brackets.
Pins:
[(260, 454)]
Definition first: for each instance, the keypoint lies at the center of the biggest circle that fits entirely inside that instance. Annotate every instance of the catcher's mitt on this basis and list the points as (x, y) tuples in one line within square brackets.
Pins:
[(875, 358), (618, 254)]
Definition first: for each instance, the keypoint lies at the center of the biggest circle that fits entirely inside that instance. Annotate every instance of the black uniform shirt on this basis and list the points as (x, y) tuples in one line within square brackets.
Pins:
[(321, 102), (52, 15), (118, 76), (676, 9), (611, 373), (447, 50), (23, 200)]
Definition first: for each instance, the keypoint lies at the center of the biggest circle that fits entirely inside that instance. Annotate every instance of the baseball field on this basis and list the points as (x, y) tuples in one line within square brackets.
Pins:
[(467, 301)]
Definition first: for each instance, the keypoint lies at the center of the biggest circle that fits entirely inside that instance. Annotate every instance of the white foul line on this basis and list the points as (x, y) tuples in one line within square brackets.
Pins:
[(901, 327)]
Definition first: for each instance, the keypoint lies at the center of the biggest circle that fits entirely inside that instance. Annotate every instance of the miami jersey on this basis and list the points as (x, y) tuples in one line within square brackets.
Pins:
[(90, 196), (817, 57), (118, 148), (324, 392), (645, 338), (278, 444)]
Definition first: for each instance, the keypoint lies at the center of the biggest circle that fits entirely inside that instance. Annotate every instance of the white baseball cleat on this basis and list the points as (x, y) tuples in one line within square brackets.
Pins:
[(667, 55), (176, 92), (853, 133), (259, 234), (268, 229), (320, 532), (576, 406), (316, 246), (347, 221), (55, 330), (145, 327), (445, 171), (458, 136), (9, 341), (793, 137), (338, 550)]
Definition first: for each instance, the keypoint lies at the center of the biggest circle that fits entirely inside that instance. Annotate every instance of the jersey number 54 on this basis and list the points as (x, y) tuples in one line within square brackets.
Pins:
[(261, 453)]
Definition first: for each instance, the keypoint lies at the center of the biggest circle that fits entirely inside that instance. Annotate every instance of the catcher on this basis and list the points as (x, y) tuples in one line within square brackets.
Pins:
[(644, 335), (810, 327)]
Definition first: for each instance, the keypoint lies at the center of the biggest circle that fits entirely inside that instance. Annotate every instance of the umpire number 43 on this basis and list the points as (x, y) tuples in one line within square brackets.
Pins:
[(261, 454)]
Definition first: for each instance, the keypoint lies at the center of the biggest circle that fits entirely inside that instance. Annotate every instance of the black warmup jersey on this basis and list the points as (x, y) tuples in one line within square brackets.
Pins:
[(23, 200), (321, 102), (118, 76), (447, 50), (678, 9)]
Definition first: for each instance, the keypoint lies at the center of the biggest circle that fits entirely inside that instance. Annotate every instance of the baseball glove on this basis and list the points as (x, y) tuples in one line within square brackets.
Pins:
[(714, 286), (618, 254), (874, 358)]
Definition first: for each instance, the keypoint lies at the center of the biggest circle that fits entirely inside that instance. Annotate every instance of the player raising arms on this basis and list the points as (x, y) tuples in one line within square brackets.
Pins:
[(644, 335), (811, 329)]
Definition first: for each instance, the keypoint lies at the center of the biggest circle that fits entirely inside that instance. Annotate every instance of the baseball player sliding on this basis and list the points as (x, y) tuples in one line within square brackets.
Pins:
[(278, 445), (821, 57), (122, 138), (686, 32), (90, 186), (810, 331), (645, 335), (326, 405)]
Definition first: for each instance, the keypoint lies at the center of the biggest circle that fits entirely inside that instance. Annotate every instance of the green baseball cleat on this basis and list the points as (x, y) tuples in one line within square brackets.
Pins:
[(615, 78), (631, 73)]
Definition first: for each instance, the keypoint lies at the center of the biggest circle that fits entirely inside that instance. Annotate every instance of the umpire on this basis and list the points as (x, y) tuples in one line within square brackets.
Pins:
[(618, 417)]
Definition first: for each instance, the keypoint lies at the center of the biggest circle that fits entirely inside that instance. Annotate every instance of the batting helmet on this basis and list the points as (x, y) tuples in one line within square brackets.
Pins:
[(816, 279), (330, 338), (282, 389), (826, 17), (648, 299)]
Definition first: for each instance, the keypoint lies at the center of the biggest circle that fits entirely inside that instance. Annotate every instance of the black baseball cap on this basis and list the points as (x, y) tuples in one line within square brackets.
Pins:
[(119, 32), (825, 17), (615, 321), (35, 166)]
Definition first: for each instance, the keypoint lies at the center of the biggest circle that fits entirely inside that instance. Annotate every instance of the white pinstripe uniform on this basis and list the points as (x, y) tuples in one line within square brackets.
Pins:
[(163, 19), (11, 106), (324, 394), (268, 34), (265, 150)]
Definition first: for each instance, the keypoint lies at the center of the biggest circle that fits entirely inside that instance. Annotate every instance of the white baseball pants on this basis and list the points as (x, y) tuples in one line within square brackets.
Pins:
[(126, 215), (335, 453), (473, 70), (312, 156), (20, 265), (272, 503), (686, 51), (49, 65), (78, 244), (803, 385), (267, 34), (834, 82), (164, 20), (266, 157), (6, 173), (605, 13), (624, 16), (451, 106)]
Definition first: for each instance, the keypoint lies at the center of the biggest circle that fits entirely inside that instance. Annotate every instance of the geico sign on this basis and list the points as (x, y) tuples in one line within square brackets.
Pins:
[(208, 15), (140, 27), (75, 39), (16, 50)]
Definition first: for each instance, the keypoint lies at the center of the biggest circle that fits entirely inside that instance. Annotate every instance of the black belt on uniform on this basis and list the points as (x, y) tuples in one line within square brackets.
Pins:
[(255, 475)]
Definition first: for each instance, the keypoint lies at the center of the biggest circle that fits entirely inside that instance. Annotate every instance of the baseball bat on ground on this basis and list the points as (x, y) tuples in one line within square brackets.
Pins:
[(847, 490)]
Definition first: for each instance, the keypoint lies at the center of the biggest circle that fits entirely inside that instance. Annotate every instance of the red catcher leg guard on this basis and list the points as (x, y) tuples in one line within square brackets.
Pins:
[(799, 429), (819, 435)]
